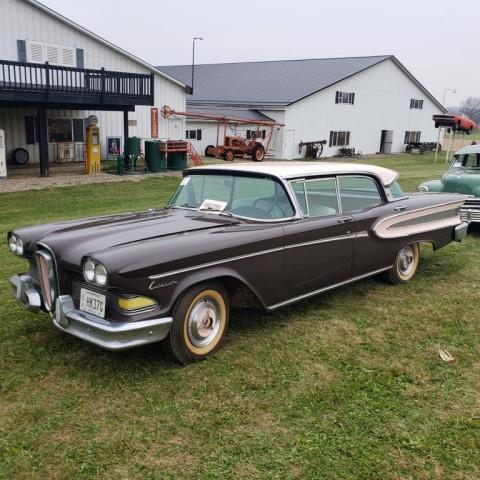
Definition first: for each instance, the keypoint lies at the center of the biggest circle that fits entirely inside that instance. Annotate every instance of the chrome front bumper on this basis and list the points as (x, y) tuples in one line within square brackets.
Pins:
[(101, 332), (461, 231)]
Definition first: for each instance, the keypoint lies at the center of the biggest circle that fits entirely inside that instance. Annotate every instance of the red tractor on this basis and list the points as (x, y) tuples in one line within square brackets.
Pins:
[(237, 147)]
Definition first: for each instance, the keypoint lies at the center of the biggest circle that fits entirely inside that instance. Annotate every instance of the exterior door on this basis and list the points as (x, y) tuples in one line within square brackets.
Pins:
[(288, 147), (362, 198), (386, 141), (319, 248)]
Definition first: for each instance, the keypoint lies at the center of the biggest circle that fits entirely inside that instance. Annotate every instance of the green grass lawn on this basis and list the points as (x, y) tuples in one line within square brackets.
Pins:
[(346, 385)]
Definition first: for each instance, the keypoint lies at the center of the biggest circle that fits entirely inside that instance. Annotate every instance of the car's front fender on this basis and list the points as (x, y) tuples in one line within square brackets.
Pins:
[(431, 186)]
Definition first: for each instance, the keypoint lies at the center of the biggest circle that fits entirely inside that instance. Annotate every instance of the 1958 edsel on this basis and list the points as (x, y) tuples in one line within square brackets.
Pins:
[(264, 235)]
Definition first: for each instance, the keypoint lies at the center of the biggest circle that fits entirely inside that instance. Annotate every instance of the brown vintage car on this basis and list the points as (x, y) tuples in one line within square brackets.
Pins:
[(264, 235)]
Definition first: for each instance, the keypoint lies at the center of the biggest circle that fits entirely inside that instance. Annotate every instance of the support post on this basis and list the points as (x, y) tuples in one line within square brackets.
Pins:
[(437, 148), (43, 141), (125, 131)]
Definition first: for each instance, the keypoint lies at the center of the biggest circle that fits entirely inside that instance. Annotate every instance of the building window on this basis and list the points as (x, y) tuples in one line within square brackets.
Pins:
[(412, 137), (414, 103), (256, 134), (78, 130), (199, 134), (339, 139), (31, 130), (345, 97), (60, 130), (39, 52)]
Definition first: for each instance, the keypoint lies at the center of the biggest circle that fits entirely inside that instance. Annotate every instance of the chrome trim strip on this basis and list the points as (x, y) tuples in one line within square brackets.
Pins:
[(322, 240), (261, 252), (325, 289), (383, 228), (212, 264)]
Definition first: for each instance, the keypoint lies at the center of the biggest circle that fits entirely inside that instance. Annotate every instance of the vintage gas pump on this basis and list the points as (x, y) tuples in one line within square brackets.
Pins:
[(93, 145), (3, 161)]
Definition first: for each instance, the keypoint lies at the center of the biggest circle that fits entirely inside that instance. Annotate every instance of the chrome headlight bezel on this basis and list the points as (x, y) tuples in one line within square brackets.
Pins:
[(422, 188), (16, 245), (94, 272)]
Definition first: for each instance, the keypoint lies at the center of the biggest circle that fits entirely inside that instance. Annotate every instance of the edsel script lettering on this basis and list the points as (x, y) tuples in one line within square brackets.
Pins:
[(154, 285)]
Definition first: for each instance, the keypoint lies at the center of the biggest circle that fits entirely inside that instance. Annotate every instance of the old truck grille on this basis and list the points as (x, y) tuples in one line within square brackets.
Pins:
[(470, 211), (47, 277)]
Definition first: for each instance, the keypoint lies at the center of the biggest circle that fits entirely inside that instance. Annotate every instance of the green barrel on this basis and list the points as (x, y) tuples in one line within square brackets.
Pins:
[(154, 158), (133, 146), (177, 161)]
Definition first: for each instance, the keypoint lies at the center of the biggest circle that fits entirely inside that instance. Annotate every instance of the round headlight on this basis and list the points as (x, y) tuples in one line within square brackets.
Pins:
[(12, 243), (89, 271), (100, 275), (19, 246)]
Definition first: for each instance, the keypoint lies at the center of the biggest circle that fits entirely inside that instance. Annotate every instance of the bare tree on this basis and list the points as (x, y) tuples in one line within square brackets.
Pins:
[(471, 108)]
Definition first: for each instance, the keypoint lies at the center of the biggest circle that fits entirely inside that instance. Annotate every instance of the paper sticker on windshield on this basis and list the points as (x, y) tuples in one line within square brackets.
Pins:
[(185, 181), (215, 205)]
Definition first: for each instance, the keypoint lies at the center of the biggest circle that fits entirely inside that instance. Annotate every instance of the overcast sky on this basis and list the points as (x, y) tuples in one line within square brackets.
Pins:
[(438, 40)]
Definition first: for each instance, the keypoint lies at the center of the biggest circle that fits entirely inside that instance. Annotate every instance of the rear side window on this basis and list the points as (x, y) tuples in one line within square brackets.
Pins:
[(317, 198), (358, 193)]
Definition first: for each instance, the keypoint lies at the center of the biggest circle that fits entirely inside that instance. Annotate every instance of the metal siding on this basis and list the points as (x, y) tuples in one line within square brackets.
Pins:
[(382, 102), (20, 20)]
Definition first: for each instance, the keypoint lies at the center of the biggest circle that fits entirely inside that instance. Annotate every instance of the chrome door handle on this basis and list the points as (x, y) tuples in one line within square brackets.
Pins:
[(345, 220), (400, 208)]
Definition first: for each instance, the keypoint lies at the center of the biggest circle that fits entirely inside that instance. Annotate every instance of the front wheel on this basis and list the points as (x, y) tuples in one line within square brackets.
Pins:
[(258, 154), (200, 321), (406, 264)]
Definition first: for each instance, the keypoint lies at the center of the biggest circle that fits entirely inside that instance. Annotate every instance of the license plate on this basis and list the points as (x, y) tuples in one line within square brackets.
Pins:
[(92, 302)]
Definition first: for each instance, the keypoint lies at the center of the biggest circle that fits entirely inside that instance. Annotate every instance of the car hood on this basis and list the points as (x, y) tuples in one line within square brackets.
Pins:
[(71, 241), (462, 180)]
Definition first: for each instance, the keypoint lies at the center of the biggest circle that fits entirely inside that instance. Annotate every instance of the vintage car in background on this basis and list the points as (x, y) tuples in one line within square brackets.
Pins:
[(264, 235), (463, 176), (458, 123)]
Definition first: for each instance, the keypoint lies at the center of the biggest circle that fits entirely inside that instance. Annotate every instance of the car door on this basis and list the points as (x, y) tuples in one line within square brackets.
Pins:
[(319, 247), (363, 197)]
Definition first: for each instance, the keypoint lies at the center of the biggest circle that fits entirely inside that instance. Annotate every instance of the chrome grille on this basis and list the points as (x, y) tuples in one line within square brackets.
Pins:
[(470, 211), (47, 277), (111, 298)]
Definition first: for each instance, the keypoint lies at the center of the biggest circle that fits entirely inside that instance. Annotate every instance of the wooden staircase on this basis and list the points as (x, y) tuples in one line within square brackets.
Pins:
[(194, 155)]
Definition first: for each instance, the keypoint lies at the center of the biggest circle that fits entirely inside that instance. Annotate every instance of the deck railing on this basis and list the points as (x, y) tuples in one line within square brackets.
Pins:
[(58, 80)]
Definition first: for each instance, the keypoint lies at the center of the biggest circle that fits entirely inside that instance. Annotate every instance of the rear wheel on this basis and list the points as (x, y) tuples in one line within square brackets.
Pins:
[(200, 321), (406, 264), (258, 153), (229, 156), (210, 151)]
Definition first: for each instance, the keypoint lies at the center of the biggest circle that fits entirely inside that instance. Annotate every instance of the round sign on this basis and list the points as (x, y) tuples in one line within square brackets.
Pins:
[(92, 120)]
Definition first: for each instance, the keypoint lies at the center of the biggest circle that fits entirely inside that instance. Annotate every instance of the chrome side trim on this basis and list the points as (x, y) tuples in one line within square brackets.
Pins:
[(212, 264), (256, 254), (388, 227), (326, 289)]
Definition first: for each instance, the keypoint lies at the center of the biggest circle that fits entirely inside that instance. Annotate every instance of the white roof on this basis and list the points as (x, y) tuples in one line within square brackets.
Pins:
[(288, 170), (468, 149)]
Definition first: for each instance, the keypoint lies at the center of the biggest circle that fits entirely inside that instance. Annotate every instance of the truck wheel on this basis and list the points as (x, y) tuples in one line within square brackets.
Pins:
[(210, 151), (229, 156), (200, 321), (258, 153), (405, 266)]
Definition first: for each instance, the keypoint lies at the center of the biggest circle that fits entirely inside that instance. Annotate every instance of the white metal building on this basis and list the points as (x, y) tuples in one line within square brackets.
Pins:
[(373, 104), (44, 105)]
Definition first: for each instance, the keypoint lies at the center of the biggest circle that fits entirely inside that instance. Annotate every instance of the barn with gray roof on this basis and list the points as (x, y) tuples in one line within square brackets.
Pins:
[(373, 104)]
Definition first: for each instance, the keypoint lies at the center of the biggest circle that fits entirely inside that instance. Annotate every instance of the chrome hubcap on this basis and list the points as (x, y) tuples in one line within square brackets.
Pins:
[(406, 261), (204, 322)]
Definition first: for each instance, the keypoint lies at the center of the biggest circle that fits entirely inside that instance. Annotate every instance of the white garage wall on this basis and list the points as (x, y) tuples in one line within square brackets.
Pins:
[(22, 21), (382, 102)]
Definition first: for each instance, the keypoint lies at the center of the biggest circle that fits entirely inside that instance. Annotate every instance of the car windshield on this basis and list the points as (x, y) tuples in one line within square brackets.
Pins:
[(466, 160), (244, 196)]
